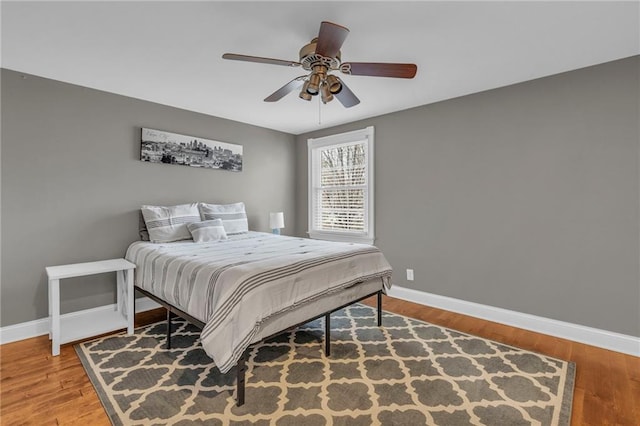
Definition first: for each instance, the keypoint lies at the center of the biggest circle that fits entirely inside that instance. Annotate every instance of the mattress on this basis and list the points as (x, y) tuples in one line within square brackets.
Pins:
[(240, 287)]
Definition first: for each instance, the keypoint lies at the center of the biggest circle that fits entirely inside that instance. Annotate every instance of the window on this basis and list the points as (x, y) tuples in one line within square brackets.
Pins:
[(341, 187)]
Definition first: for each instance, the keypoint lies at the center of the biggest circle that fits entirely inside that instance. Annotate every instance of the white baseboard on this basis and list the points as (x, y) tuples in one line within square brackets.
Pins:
[(566, 330), (592, 336), (27, 330)]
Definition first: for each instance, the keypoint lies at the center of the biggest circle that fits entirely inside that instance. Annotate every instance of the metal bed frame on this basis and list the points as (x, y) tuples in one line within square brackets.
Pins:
[(241, 366)]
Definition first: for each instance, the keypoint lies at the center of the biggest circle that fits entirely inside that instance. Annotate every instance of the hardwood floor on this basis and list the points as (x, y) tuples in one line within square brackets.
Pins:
[(39, 389), (607, 386)]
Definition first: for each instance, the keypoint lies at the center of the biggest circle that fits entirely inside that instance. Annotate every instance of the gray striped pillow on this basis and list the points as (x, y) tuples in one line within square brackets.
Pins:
[(234, 217), (167, 224), (142, 227), (207, 230)]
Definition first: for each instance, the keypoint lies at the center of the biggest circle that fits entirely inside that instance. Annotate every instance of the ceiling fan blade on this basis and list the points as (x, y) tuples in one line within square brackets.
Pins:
[(346, 96), (330, 39), (294, 84), (271, 61), (379, 69)]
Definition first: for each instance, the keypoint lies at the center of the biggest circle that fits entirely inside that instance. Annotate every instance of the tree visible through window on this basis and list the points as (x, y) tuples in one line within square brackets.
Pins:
[(341, 193), (342, 188)]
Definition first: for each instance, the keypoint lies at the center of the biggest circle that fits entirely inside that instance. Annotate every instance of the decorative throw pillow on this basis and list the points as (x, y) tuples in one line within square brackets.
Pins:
[(234, 218), (207, 230), (167, 224), (142, 228)]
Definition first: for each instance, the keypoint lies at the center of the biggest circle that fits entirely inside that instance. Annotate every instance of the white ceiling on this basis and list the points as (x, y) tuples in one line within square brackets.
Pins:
[(170, 52)]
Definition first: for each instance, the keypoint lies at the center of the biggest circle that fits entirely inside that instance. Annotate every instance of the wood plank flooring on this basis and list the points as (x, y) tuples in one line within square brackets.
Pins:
[(39, 389)]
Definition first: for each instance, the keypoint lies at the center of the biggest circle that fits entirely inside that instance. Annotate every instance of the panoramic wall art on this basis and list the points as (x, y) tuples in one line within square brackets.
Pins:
[(158, 146)]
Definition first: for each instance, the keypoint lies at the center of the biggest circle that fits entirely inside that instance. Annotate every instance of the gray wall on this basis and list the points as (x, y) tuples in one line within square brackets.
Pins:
[(524, 197), (72, 183)]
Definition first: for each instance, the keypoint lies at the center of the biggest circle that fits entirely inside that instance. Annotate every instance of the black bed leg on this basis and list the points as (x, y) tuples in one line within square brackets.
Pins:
[(380, 309), (168, 329), (242, 368), (327, 334)]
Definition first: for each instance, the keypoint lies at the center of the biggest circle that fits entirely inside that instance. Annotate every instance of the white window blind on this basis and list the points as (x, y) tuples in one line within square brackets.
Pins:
[(340, 187)]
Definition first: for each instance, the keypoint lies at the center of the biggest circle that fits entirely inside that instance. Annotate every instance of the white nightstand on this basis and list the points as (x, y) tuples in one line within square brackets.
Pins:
[(103, 321)]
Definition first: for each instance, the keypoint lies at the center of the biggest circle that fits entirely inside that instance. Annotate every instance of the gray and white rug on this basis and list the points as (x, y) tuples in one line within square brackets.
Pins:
[(406, 373)]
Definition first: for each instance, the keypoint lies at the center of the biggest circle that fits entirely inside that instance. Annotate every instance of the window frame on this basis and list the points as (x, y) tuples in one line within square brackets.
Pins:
[(314, 145)]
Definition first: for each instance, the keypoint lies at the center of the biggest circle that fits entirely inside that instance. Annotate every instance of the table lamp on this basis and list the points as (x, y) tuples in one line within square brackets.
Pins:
[(276, 222)]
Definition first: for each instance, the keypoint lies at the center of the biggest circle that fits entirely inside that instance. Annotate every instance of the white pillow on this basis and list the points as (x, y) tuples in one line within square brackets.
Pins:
[(167, 224), (207, 230), (234, 218)]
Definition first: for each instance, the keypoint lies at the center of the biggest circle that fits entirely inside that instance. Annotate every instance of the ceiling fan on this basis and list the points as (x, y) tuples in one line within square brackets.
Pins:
[(322, 56)]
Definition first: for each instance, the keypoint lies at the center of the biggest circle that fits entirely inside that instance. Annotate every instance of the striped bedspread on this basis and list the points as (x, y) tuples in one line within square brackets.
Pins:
[(234, 285)]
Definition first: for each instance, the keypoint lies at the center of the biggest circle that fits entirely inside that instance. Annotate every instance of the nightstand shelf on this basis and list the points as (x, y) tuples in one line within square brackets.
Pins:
[(104, 319)]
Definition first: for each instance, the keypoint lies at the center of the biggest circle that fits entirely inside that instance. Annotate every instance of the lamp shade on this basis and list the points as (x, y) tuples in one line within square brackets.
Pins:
[(276, 220)]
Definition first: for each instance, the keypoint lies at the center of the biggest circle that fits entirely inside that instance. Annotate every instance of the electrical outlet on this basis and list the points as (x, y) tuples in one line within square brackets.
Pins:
[(409, 274)]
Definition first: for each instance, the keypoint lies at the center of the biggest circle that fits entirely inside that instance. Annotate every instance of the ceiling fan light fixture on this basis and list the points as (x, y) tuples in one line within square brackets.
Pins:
[(326, 94), (313, 85), (334, 83), (304, 95)]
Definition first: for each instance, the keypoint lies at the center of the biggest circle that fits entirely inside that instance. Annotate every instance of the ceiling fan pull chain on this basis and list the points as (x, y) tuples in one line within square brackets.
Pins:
[(319, 112)]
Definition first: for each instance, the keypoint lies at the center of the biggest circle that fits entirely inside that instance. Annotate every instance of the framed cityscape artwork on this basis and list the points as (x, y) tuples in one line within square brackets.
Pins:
[(158, 146)]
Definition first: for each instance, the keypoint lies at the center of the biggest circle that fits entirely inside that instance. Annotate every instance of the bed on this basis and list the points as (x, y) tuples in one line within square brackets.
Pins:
[(253, 285)]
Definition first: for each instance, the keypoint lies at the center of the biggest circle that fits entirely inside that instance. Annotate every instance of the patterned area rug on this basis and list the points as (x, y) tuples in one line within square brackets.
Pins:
[(406, 373)]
